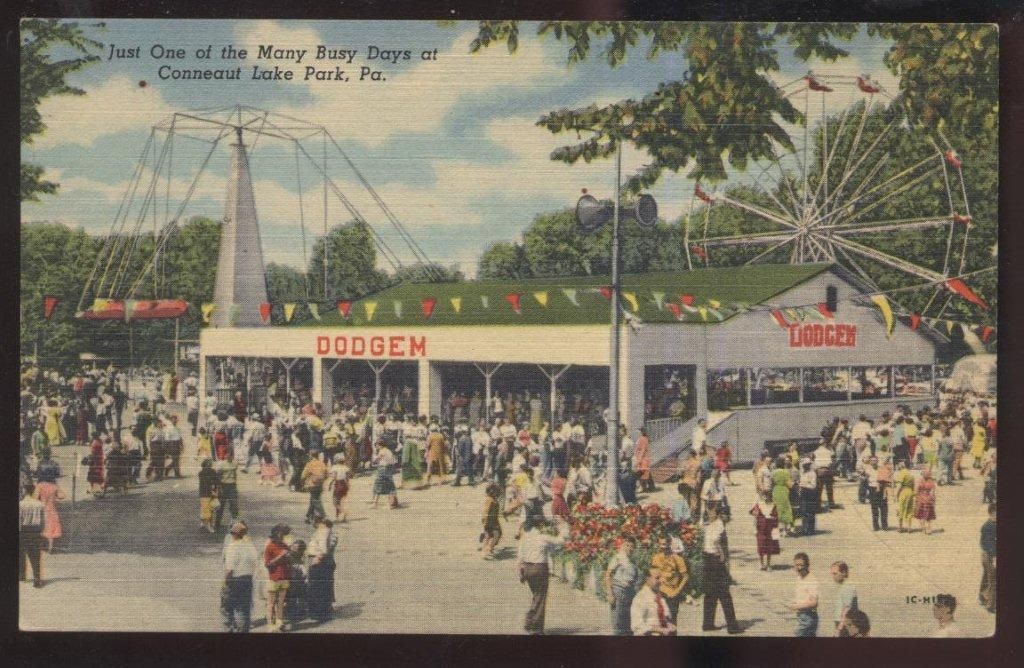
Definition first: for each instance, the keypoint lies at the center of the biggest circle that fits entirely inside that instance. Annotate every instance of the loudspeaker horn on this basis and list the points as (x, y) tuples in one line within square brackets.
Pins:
[(592, 214)]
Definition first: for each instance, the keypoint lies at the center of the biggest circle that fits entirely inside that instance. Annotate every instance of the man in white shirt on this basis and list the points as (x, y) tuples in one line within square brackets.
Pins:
[(699, 437), (805, 597), (649, 612), (192, 411), (481, 439), (713, 493), (534, 548), (239, 566), (945, 606), (859, 434), (716, 574)]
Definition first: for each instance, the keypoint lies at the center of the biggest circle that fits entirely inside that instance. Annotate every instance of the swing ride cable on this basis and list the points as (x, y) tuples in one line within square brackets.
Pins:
[(302, 224)]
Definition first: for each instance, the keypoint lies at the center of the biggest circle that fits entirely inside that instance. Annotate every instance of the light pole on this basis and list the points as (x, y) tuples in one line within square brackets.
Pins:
[(591, 216)]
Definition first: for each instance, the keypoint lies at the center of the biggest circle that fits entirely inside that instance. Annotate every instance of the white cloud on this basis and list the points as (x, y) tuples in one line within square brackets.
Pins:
[(116, 105)]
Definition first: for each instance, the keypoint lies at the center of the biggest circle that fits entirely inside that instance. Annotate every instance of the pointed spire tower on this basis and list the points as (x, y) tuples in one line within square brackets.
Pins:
[(241, 283)]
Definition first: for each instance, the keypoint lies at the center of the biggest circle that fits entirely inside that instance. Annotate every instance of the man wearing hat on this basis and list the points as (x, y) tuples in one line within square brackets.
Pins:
[(435, 454), (464, 465), (240, 559), (255, 432)]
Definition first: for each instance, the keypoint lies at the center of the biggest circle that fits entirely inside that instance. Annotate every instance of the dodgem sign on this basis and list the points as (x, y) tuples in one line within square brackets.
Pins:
[(818, 335)]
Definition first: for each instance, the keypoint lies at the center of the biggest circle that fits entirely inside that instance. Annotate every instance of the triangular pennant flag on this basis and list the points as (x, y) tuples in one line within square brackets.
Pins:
[(370, 308), (959, 287), (49, 304), (314, 310), (513, 299), (344, 306), (794, 315), (659, 299), (100, 305), (826, 311), (542, 297), (129, 309), (428, 305), (716, 314), (289, 311), (456, 304), (606, 291), (236, 309), (676, 311), (570, 294), (714, 303), (915, 322), (484, 301), (883, 305), (813, 311), (265, 312), (986, 332), (687, 303), (779, 318), (631, 298), (703, 310), (207, 310), (949, 326), (398, 308)]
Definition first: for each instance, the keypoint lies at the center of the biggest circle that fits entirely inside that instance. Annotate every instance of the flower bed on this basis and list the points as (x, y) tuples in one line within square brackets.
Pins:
[(584, 558)]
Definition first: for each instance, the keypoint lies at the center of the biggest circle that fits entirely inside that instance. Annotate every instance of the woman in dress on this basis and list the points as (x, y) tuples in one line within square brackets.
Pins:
[(384, 483), (53, 427), (338, 475), (97, 466), (978, 444), (49, 494), (781, 484), (559, 508), (412, 468), (723, 457), (904, 485), (270, 474), (642, 461), (924, 509), (766, 523)]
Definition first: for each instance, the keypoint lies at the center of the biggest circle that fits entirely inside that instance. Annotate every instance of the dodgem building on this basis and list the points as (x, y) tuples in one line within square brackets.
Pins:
[(764, 353)]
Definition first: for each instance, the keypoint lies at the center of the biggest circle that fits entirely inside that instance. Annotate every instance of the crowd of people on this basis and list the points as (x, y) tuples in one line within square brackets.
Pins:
[(532, 473)]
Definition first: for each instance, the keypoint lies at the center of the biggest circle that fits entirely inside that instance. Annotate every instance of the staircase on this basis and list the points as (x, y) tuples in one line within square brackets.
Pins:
[(668, 450)]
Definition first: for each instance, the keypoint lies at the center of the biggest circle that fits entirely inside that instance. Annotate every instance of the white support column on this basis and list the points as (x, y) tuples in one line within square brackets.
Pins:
[(631, 394), (749, 382), (552, 376), (849, 383), (378, 371), (488, 370), (800, 388), (429, 397), (700, 390), (318, 381)]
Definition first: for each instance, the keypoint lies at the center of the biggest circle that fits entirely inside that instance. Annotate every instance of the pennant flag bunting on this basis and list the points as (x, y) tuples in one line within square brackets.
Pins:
[(456, 304), (780, 319), (484, 301), (265, 312), (794, 315), (716, 314), (314, 310), (513, 298), (100, 305), (966, 221), (826, 312), (714, 303), (687, 303), (883, 305), (541, 297), (398, 308), (960, 288), (699, 252), (370, 308), (659, 300), (570, 294), (949, 326), (49, 304), (952, 158), (703, 310), (631, 298), (289, 312), (344, 306), (606, 291), (915, 322), (676, 311), (207, 310), (129, 309), (986, 333), (428, 305)]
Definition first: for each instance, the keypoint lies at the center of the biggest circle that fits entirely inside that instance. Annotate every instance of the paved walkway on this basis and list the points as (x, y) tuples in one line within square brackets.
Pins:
[(140, 562)]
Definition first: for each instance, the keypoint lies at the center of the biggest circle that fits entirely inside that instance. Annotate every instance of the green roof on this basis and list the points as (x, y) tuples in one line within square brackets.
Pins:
[(727, 285)]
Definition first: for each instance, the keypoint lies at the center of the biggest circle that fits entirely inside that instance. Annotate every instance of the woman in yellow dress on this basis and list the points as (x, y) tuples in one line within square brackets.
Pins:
[(904, 485), (978, 443), (53, 427)]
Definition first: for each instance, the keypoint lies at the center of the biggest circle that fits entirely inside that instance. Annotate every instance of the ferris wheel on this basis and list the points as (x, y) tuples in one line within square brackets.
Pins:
[(841, 193)]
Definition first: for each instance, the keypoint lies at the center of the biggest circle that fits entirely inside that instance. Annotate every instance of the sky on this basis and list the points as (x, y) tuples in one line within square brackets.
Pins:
[(450, 144)]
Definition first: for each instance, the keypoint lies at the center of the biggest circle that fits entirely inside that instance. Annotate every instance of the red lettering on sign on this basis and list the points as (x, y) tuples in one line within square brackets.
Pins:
[(395, 349), (373, 346), (377, 346), (323, 345), (815, 335), (341, 345), (417, 344), (358, 346)]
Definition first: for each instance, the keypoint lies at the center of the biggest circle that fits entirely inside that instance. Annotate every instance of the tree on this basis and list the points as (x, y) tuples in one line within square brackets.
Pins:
[(43, 77), (504, 260), (432, 273), (285, 284), (725, 104), (351, 264)]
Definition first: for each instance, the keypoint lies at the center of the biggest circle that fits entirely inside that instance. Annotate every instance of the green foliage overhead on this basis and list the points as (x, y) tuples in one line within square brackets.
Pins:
[(43, 75)]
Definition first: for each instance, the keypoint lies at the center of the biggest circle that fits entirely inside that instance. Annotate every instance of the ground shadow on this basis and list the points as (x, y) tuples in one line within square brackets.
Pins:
[(504, 553), (562, 631), (348, 610)]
